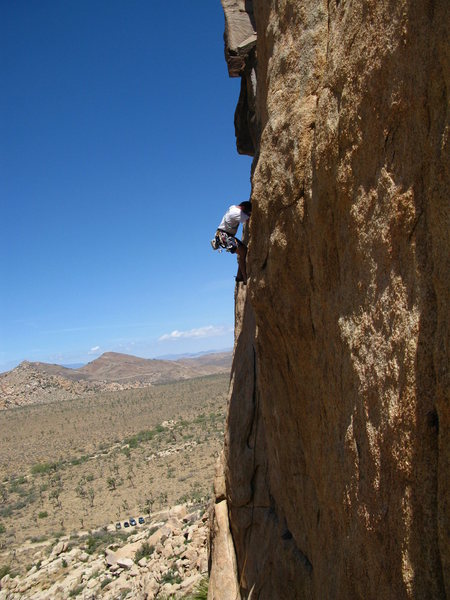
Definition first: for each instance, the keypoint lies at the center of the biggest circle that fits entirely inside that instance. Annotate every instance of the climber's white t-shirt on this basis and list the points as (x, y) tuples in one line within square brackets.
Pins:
[(232, 218)]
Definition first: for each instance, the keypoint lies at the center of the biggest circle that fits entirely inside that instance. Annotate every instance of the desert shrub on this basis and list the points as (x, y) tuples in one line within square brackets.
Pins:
[(201, 591), (4, 570), (58, 535), (111, 482), (76, 591), (105, 582), (28, 495), (19, 505), (144, 551), (43, 514), (171, 576), (184, 499), (43, 468), (38, 538), (103, 538), (15, 486), (93, 542), (79, 460), (2, 528), (143, 436), (7, 511)]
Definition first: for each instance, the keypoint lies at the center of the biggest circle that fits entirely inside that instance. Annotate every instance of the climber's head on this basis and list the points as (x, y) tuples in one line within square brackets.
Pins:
[(246, 207)]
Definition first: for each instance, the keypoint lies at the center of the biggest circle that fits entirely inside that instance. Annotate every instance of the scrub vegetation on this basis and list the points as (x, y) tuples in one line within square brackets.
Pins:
[(79, 464)]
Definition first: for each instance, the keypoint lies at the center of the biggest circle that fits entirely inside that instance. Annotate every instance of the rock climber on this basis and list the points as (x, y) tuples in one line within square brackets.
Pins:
[(226, 236)]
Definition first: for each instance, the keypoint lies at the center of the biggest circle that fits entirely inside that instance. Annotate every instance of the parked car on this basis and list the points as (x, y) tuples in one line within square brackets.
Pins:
[(132, 521), (118, 526), (141, 520), (126, 524)]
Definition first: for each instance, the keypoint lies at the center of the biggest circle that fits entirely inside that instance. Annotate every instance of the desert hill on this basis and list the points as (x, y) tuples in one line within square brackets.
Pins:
[(38, 382), (116, 367)]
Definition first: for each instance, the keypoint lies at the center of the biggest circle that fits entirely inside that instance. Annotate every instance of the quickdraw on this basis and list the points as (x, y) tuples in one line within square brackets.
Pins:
[(224, 241)]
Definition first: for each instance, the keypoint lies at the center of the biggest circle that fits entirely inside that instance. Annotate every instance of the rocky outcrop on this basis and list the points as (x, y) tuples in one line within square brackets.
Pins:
[(173, 564), (28, 384), (336, 451), (240, 42), (223, 580)]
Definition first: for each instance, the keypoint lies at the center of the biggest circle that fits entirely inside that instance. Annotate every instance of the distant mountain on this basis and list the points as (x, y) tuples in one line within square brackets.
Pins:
[(37, 382), (204, 361), (115, 367), (194, 354)]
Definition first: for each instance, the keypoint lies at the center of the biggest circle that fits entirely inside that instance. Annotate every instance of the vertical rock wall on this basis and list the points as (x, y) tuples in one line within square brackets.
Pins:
[(336, 452)]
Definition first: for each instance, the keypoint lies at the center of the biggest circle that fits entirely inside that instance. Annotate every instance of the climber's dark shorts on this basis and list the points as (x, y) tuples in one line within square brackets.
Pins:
[(227, 241)]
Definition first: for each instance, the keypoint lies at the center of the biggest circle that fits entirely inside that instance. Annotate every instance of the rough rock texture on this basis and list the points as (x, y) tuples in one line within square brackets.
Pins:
[(240, 34), (223, 579), (240, 41), (175, 565), (336, 452)]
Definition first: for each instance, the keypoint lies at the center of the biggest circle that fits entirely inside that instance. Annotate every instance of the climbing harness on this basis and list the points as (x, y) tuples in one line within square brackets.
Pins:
[(225, 241)]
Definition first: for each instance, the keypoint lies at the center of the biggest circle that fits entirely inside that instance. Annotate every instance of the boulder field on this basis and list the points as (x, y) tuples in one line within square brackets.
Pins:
[(165, 558)]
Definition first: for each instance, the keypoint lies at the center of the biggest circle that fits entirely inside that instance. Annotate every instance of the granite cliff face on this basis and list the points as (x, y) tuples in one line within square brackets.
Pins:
[(335, 473)]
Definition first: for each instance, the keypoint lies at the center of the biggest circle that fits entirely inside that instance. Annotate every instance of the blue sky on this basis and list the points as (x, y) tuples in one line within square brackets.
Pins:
[(117, 162)]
